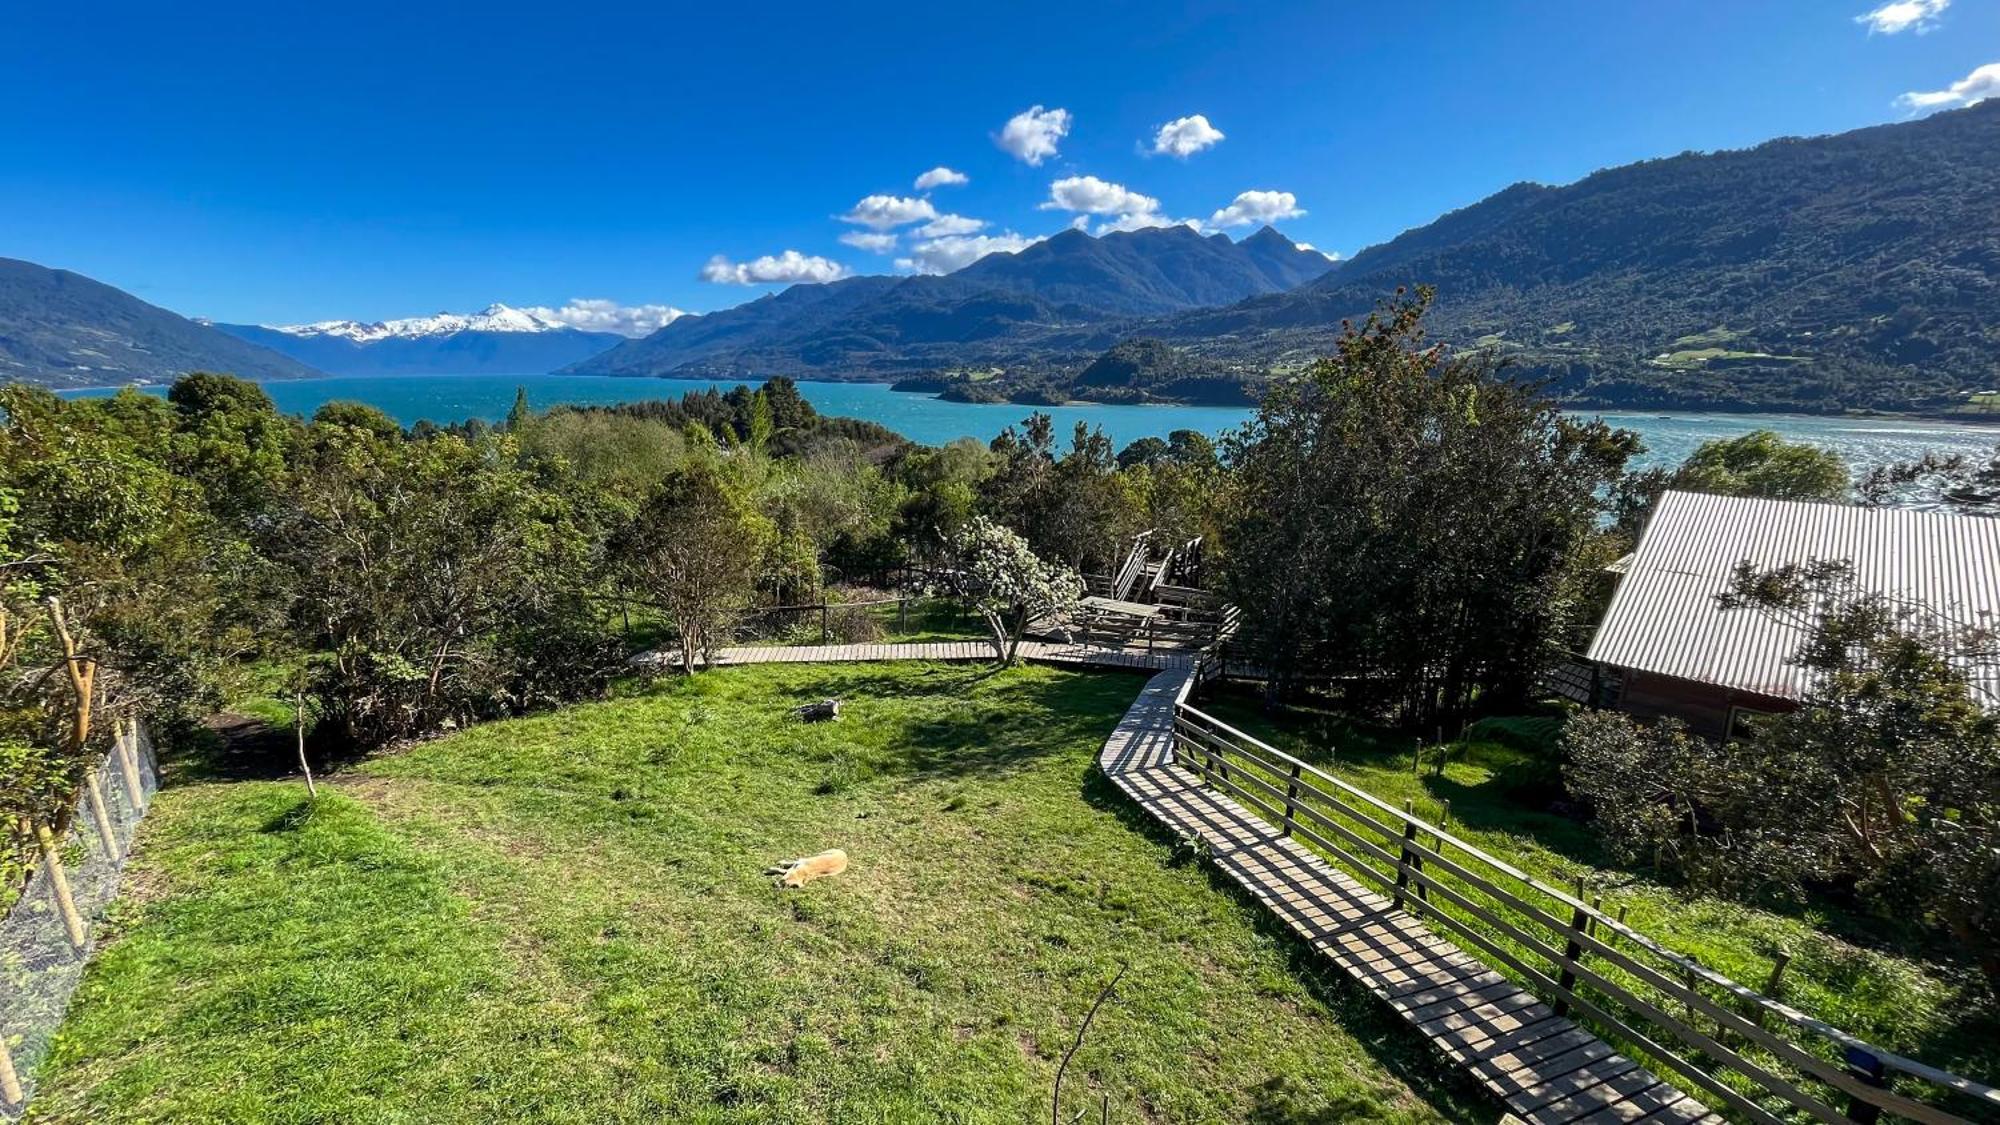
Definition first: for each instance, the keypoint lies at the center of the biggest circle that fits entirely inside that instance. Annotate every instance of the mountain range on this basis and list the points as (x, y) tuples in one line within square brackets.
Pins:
[(1852, 271), (62, 329), (498, 340), (1069, 287)]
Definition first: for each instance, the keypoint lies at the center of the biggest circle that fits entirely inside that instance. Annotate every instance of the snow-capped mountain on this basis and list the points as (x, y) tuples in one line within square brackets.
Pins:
[(495, 318), (500, 340)]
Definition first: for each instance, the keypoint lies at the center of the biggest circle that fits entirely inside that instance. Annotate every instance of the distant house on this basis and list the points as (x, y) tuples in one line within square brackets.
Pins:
[(1671, 650)]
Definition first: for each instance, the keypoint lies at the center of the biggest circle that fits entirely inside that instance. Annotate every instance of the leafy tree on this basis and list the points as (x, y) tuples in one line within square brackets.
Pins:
[(1008, 585), (1407, 524), (1884, 783), (1759, 463), (443, 581), (696, 545)]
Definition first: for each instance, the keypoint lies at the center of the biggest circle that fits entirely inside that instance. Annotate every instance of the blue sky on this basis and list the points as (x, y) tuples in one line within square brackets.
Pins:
[(280, 162)]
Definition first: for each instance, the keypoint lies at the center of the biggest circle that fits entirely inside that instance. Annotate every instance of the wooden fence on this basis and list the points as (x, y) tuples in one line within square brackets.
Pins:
[(1760, 1058), (48, 932)]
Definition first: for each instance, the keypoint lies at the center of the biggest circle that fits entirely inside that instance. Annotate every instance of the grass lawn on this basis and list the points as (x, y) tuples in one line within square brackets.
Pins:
[(562, 919), (1840, 971)]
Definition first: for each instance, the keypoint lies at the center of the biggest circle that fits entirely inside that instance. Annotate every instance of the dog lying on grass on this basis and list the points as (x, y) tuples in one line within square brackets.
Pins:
[(799, 872)]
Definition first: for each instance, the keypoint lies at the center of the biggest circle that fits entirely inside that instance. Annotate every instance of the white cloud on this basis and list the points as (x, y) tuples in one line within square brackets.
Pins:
[(882, 212), (943, 255), (1185, 136), (946, 225), (1976, 87), (1899, 16), (1093, 196), (1329, 255), (942, 176), (873, 242), (1257, 207), (1032, 134), (595, 314), (783, 269)]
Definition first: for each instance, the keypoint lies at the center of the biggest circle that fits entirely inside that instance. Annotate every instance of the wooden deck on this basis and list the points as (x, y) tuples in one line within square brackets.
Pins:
[(1543, 1067)]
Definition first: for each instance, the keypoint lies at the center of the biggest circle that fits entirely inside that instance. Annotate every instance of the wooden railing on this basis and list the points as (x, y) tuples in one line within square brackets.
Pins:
[(1761, 1059)]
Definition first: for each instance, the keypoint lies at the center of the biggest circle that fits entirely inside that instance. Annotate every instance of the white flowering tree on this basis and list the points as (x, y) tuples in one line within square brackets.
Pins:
[(1008, 584)]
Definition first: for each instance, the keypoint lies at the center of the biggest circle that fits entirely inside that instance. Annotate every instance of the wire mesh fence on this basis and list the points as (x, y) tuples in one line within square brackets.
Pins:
[(47, 935)]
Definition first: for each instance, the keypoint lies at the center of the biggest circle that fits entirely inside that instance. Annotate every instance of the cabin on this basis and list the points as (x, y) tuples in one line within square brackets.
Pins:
[(1667, 648)]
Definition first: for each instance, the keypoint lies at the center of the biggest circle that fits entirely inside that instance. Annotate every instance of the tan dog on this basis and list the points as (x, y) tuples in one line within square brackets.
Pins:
[(799, 872)]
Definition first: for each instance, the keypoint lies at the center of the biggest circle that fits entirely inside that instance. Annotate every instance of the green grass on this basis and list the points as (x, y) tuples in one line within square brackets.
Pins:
[(1858, 980), (562, 919)]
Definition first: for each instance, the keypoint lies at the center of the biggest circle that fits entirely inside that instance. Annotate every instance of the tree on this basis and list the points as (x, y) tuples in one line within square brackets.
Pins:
[(1408, 525), (442, 579), (1884, 783), (1759, 463), (1008, 584), (695, 545)]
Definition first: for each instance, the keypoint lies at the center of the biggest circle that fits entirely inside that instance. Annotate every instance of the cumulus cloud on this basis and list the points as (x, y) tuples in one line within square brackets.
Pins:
[(596, 314), (1329, 255), (942, 176), (1976, 87), (871, 241), (782, 269), (1257, 207), (882, 212), (1032, 134), (943, 255), (1185, 136), (1899, 16), (946, 225), (1092, 196)]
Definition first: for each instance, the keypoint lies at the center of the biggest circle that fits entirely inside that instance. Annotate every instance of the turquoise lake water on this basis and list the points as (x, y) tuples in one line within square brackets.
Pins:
[(923, 418)]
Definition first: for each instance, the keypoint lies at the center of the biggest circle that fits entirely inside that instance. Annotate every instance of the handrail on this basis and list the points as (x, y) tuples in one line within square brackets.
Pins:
[(1589, 920)]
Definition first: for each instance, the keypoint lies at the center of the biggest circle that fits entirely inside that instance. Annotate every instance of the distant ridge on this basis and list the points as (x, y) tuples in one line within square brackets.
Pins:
[(498, 340), (1824, 273), (62, 329), (878, 326)]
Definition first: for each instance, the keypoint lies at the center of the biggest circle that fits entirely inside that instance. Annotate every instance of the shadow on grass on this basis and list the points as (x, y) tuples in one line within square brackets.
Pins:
[(1394, 1044), (1008, 725)]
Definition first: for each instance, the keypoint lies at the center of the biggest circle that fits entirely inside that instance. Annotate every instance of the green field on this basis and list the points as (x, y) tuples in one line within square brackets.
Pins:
[(562, 918)]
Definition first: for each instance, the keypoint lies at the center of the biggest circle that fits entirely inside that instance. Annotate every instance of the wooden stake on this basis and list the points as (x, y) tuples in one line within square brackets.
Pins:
[(113, 848), (299, 722), (11, 1094), (59, 884), (126, 747)]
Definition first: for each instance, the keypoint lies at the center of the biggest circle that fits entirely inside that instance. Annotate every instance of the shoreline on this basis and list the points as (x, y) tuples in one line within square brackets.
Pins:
[(1990, 422)]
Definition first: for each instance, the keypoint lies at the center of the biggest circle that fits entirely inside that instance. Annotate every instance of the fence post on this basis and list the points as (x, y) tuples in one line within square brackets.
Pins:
[(1572, 953), (11, 1095), (1405, 860), (59, 887), (124, 745), (1291, 798), (823, 633), (1866, 1067), (114, 848)]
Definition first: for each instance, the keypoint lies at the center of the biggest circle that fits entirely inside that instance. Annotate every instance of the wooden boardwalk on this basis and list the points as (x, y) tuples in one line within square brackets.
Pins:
[(1543, 1067), (1041, 652)]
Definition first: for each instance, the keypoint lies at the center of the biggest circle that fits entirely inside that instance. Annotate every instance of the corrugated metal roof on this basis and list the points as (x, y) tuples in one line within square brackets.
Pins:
[(1664, 618)]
